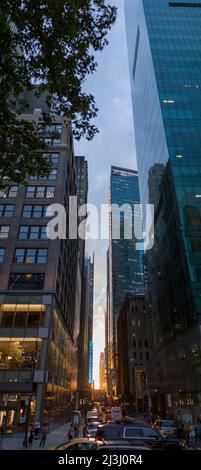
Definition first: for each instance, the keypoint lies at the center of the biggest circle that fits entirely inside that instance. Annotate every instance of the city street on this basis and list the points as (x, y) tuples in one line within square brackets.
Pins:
[(100, 228)]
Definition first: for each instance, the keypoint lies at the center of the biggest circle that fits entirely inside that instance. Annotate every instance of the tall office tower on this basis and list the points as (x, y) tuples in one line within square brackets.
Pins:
[(102, 372), (82, 192), (165, 68), (81, 166), (106, 350), (89, 272), (134, 347), (37, 288), (125, 262), (108, 358)]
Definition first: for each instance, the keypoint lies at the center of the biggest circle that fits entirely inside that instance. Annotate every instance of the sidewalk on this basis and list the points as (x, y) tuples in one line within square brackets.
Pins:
[(54, 438)]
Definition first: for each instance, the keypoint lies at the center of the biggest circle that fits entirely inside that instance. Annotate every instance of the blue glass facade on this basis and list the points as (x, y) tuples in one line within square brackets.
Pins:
[(126, 263), (164, 43)]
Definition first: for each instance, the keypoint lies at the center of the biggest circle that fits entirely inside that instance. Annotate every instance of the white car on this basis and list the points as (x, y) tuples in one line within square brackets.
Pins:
[(92, 415)]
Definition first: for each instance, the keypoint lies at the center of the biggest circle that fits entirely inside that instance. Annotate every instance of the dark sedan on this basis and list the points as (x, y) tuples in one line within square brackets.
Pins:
[(137, 432)]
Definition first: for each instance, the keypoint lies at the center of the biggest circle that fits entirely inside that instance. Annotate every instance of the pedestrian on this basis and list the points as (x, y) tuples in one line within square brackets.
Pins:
[(30, 437), (181, 431), (187, 429), (37, 428), (192, 435), (70, 433), (85, 429), (76, 430), (198, 431), (44, 432)]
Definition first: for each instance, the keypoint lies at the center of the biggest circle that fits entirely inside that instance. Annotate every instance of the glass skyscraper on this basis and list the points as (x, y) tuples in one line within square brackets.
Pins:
[(89, 272), (164, 44), (125, 262)]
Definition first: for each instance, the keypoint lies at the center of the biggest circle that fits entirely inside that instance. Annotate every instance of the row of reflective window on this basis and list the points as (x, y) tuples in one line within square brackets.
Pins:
[(31, 192), (29, 211), (26, 281), (22, 319), (26, 232), (27, 255)]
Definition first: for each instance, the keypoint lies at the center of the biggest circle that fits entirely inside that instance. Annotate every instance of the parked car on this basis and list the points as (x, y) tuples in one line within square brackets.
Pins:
[(93, 444), (151, 437), (166, 427), (118, 445), (92, 415)]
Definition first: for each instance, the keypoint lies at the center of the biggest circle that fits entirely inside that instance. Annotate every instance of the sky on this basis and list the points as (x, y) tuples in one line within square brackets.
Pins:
[(114, 145)]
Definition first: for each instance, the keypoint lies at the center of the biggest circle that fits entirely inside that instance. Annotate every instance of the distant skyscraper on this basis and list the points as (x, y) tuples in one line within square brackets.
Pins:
[(125, 264), (134, 347), (165, 68), (82, 193), (89, 270), (102, 371)]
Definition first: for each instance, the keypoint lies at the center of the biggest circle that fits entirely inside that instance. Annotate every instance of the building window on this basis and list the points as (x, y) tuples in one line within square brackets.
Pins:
[(141, 356), (6, 210), (52, 176), (33, 320), (40, 192), (22, 316), (193, 216), (32, 232), (185, 4), (4, 231), (53, 157), (2, 253), (50, 128), (30, 255), (7, 318), (146, 343), (11, 192), (140, 343), (34, 211), (26, 281), (30, 192), (52, 142), (147, 355)]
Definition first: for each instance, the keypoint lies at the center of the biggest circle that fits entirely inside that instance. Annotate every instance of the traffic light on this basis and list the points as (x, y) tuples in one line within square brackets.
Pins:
[(22, 408)]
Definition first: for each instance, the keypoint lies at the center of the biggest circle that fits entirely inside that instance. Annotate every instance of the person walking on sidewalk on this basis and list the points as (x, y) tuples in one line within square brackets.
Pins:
[(76, 430), (70, 433), (44, 433), (37, 429), (30, 437)]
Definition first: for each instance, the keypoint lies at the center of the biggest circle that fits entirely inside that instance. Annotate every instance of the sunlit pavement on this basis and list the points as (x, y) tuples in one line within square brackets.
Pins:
[(54, 438)]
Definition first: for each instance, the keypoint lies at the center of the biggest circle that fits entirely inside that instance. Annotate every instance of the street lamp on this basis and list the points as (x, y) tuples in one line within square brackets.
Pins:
[(33, 366)]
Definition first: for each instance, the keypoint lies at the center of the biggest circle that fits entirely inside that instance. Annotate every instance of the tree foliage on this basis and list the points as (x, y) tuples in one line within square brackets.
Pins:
[(50, 43)]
